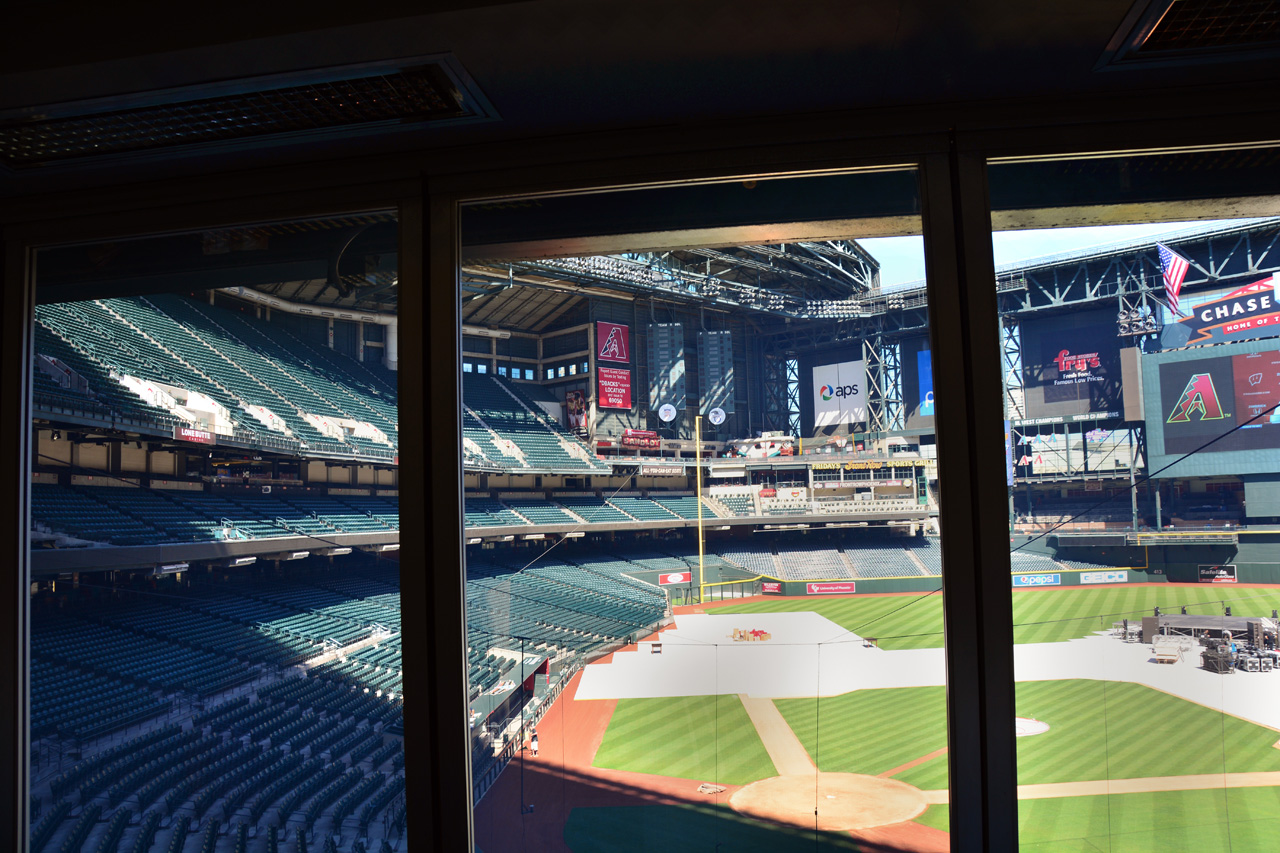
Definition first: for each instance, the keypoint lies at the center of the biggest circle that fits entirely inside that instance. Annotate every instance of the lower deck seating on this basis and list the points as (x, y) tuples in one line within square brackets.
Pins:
[(737, 504)]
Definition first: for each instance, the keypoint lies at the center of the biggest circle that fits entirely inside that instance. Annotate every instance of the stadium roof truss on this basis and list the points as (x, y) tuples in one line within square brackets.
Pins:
[(805, 280), (1218, 255)]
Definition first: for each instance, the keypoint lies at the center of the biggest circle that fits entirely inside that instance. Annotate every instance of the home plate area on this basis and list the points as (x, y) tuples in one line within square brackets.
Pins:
[(832, 802)]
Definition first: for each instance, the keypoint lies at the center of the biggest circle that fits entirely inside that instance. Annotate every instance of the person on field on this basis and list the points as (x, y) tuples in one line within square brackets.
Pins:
[(533, 743)]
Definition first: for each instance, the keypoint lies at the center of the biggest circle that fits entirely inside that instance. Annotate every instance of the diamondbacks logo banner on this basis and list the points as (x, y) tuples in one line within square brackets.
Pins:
[(613, 342)]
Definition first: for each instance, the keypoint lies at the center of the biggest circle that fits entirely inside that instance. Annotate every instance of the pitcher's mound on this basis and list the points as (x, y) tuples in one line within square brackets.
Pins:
[(844, 801)]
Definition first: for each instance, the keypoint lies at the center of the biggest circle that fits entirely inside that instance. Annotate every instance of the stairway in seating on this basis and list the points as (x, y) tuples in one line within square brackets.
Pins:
[(924, 570)]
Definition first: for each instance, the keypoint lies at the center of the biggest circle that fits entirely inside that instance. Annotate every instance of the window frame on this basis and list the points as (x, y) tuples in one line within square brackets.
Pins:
[(952, 144)]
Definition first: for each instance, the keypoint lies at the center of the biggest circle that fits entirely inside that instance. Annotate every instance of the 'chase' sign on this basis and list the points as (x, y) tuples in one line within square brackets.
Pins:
[(1037, 580)]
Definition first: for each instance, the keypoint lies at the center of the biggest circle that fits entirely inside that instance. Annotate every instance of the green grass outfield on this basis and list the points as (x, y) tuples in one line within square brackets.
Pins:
[(710, 738), (1040, 615), (1099, 730), (1243, 820)]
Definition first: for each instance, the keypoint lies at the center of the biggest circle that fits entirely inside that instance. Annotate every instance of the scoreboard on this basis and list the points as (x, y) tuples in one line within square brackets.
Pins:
[(1216, 406)]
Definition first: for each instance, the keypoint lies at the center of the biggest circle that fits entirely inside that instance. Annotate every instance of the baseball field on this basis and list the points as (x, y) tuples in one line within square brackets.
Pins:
[(1119, 765)]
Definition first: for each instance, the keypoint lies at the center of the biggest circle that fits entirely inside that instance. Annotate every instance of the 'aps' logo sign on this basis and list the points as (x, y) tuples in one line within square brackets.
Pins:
[(828, 391)]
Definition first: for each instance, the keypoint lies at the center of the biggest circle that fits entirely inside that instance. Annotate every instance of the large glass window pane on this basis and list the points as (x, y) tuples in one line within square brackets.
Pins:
[(215, 632), (704, 582), (1142, 372)]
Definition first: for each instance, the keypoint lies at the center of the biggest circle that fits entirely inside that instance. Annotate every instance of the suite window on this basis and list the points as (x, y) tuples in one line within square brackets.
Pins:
[(215, 636)]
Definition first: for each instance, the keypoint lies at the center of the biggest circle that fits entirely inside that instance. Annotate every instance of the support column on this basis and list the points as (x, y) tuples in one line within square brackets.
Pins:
[(978, 604), (391, 347)]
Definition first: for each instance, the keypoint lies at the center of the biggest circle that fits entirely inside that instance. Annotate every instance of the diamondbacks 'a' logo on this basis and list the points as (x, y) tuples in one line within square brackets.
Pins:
[(613, 346), (1199, 396)]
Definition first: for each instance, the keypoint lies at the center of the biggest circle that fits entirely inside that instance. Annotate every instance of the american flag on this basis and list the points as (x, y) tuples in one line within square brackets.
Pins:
[(1174, 267)]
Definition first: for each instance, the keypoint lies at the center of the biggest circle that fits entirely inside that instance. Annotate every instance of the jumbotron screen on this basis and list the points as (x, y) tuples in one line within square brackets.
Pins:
[(1071, 367), (1217, 408)]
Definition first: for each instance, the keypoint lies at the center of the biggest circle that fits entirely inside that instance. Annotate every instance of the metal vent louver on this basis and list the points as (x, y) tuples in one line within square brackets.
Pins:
[(252, 110), (1193, 32), (1206, 24)]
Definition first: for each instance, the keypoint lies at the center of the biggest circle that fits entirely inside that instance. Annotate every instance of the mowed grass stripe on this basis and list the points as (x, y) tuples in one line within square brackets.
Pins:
[(1240, 819), (709, 738), (1115, 730), (887, 616), (869, 731), (1099, 730), (1040, 615)]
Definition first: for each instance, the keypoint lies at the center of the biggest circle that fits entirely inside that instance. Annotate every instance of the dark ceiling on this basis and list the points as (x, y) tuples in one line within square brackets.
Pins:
[(555, 68)]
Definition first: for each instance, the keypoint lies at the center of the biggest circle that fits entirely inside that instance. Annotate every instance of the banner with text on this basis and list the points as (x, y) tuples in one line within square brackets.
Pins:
[(1037, 580), (1219, 316), (830, 588), (1217, 574), (614, 388), (1071, 365)]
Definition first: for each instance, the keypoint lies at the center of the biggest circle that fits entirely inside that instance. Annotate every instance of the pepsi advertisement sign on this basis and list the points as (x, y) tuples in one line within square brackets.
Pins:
[(1037, 580)]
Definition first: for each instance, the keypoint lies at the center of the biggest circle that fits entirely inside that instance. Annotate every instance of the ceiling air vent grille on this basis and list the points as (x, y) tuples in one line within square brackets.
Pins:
[(250, 110), (1160, 32), (1204, 24)]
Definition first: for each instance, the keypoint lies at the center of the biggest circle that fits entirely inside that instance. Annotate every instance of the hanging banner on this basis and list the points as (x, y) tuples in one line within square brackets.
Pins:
[(575, 405), (840, 393), (1225, 315), (670, 578), (614, 388), (613, 342)]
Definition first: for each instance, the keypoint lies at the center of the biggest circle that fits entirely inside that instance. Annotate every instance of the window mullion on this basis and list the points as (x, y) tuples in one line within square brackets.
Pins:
[(974, 512)]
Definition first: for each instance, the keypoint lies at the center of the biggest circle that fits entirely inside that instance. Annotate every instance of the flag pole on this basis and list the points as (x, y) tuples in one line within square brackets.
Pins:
[(697, 444)]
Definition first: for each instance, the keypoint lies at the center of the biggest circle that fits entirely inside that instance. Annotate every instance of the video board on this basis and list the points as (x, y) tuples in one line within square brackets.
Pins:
[(917, 383), (1215, 405), (1071, 366)]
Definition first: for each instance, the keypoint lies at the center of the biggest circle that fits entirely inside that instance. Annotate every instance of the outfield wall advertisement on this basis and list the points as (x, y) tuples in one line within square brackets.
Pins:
[(840, 393), (830, 588), (1071, 367), (1120, 576), (1217, 574), (1037, 580)]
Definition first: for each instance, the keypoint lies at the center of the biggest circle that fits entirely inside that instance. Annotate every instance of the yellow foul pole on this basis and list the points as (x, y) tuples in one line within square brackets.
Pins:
[(697, 442)]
